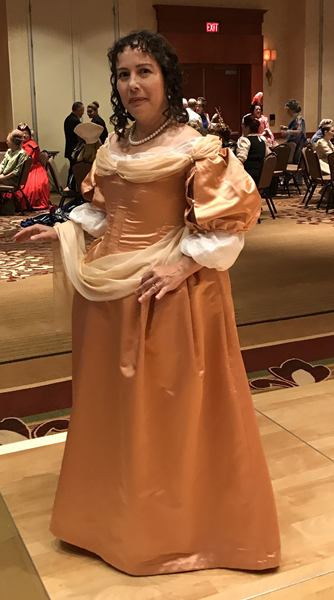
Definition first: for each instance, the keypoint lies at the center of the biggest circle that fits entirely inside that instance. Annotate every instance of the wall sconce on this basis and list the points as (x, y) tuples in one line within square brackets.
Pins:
[(269, 57)]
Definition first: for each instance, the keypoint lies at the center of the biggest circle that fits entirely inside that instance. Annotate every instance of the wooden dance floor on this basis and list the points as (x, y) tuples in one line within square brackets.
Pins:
[(297, 430)]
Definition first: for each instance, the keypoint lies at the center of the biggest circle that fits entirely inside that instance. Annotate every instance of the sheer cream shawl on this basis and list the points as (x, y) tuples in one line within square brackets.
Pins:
[(151, 166), (119, 275)]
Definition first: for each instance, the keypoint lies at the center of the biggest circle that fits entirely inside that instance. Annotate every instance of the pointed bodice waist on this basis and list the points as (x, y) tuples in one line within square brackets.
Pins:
[(139, 214)]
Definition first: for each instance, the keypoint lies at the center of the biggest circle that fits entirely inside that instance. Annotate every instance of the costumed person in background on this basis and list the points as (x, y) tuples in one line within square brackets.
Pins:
[(318, 134), (195, 120), (93, 113), (10, 169), (295, 131), (199, 108), (324, 147), (256, 109), (89, 136), (37, 188), (164, 469), (219, 127), (251, 148), (71, 139)]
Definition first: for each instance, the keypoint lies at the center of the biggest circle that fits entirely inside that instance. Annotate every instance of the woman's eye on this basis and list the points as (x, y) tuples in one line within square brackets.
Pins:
[(122, 75), (145, 71)]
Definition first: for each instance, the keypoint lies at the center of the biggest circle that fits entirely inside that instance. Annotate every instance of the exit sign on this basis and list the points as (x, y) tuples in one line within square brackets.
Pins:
[(212, 27)]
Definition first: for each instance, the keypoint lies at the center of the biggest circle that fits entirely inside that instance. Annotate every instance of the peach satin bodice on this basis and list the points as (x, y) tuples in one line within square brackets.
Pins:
[(138, 214)]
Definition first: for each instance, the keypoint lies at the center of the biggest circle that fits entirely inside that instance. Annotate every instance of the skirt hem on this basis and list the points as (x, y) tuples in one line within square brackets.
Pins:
[(182, 564)]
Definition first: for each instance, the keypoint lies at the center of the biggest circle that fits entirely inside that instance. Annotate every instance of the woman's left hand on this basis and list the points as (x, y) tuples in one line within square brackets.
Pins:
[(160, 280)]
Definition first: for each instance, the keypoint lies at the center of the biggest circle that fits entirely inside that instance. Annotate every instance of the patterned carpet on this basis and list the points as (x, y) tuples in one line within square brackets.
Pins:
[(47, 411), (19, 261), (291, 373), (292, 208)]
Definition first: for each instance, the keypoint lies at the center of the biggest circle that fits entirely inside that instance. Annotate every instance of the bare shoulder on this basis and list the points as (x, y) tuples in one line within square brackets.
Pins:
[(112, 141), (171, 137), (181, 133), (119, 145)]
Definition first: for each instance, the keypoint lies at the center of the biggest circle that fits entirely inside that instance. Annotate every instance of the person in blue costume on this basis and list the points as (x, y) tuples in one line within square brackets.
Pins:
[(318, 134), (200, 105), (295, 131)]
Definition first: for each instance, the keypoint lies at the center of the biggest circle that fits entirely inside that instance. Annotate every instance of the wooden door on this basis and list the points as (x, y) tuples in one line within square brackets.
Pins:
[(192, 81), (222, 90), (224, 86)]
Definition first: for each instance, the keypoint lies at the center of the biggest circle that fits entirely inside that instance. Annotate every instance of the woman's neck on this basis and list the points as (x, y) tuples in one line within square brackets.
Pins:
[(143, 128)]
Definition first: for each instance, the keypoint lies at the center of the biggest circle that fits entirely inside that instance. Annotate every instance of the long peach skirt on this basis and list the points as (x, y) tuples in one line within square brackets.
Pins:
[(164, 469)]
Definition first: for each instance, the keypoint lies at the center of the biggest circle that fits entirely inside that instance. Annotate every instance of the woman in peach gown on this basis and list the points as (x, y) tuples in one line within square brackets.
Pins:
[(164, 469)]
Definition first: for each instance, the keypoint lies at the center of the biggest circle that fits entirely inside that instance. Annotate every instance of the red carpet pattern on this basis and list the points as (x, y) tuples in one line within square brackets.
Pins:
[(18, 261), (292, 208), (291, 373)]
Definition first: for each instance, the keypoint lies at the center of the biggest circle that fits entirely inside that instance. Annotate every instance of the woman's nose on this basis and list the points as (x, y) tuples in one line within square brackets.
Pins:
[(133, 82)]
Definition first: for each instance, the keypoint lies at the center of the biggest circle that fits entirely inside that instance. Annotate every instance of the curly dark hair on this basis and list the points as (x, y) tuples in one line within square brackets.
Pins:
[(252, 122), (157, 46), (256, 103)]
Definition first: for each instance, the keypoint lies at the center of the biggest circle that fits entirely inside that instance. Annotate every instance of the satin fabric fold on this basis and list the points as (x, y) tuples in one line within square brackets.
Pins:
[(156, 166), (115, 275), (221, 196)]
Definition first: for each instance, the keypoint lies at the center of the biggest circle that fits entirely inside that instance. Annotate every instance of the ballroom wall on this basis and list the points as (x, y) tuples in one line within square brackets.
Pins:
[(5, 94), (70, 42), (71, 37), (295, 39)]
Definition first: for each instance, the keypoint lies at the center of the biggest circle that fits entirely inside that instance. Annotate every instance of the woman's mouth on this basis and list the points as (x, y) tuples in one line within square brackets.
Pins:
[(136, 101)]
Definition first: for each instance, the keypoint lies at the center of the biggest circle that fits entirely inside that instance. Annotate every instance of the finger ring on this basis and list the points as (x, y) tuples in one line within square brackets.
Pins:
[(154, 285)]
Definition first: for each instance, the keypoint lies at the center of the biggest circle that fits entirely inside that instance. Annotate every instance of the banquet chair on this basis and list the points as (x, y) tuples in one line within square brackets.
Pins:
[(80, 171), (64, 194), (283, 154), (292, 170), (306, 172), (330, 185), (44, 159), (19, 187), (267, 173), (315, 174), (292, 146)]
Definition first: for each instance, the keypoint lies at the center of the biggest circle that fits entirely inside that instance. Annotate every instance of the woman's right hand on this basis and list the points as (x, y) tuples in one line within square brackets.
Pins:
[(36, 233)]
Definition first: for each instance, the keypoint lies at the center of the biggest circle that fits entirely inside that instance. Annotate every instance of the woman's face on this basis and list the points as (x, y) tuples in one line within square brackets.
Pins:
[(329, 134), (199, 108), (141, 85), (91, 112), (290, 112), (257, 112), (25, 136)]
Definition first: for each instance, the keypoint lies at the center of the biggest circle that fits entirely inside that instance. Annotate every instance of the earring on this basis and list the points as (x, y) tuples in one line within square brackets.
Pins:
[(169, 96)]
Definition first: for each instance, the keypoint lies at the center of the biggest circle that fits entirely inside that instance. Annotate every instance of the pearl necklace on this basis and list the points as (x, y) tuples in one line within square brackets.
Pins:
[(149, 137)]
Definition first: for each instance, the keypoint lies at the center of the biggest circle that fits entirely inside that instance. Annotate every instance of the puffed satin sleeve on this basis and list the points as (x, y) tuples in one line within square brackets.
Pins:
[(221, 195), (92, 188), (224, 203), (92, 214)]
